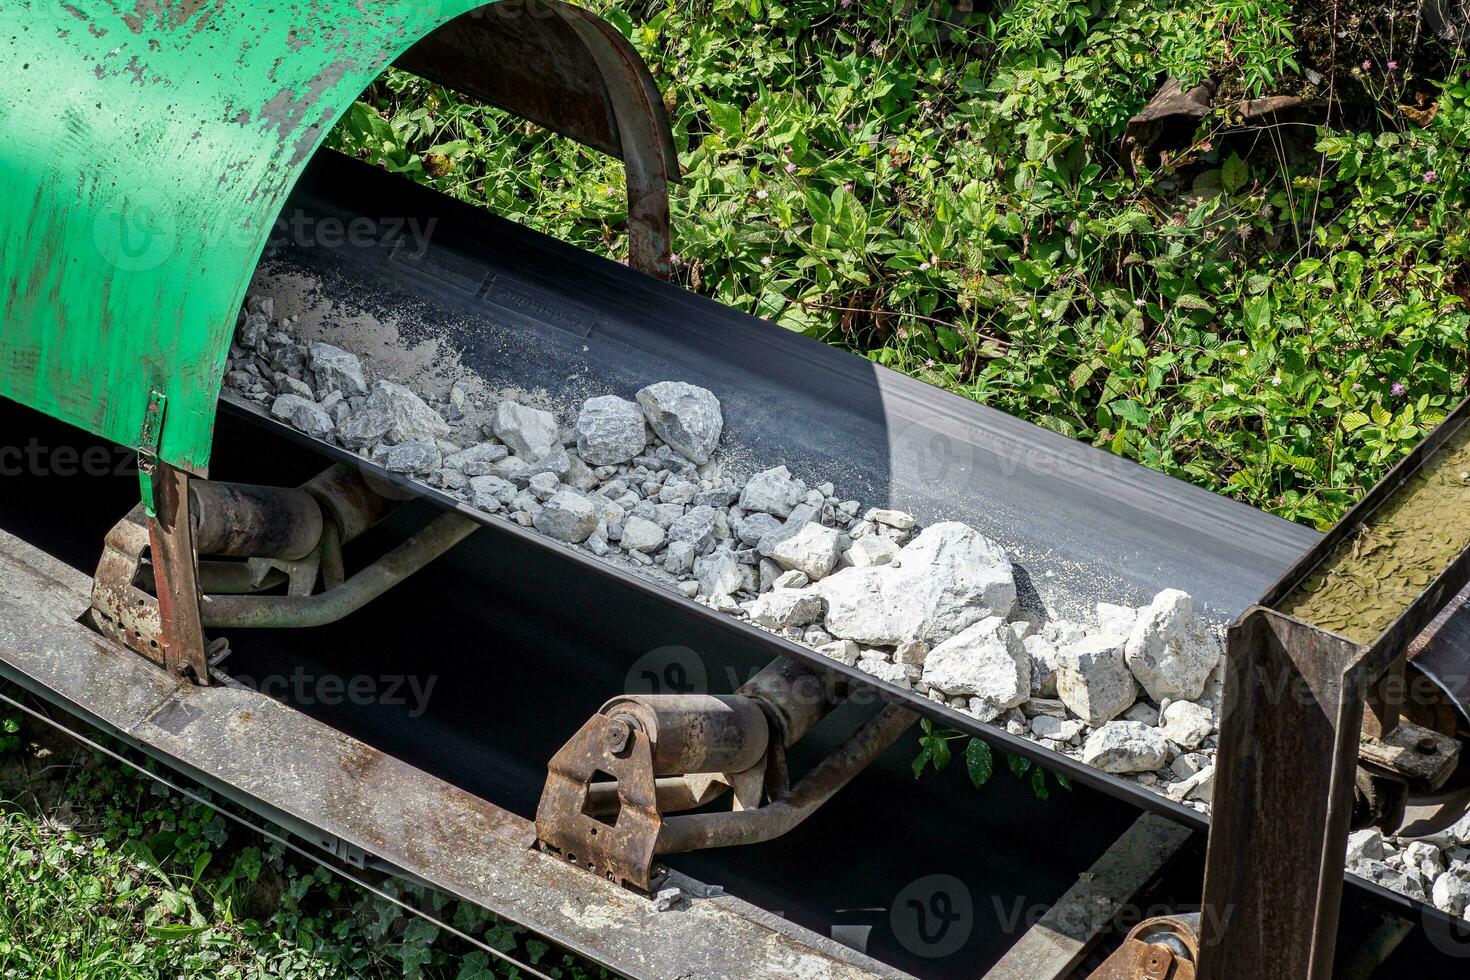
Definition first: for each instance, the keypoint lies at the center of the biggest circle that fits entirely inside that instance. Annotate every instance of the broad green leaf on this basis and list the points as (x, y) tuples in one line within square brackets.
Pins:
[(979, 762)]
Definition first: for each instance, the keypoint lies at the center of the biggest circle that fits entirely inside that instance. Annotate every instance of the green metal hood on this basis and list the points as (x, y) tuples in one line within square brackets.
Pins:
[(146, 147)]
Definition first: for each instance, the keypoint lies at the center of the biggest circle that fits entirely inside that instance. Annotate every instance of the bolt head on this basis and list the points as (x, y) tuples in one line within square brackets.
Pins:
[(617, 735)]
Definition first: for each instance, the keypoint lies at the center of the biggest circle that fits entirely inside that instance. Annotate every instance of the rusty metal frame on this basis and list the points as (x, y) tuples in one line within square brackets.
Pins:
[(1291, 735), (571, 72), (700, 745)]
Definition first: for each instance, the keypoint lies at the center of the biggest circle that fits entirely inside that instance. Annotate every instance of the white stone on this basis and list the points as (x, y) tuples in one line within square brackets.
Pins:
[(1451, 892), (640, 534), (812, 549), (842, 651), (772, 491), (785, 607), (610, 430), (1365, 845), (1043, 665), (303, 414), (411, 418), (871, 550), (948, 578), (685, 416), (1056, 729), (529, 432), (568, 516), (1126, 746), (892, 518), (334, 369), (1113, 618), (793, 579), (1187, 724), (895, 674), (1093, 681), (719, 574), (983, 661), (1170, 650), (1424, 858)]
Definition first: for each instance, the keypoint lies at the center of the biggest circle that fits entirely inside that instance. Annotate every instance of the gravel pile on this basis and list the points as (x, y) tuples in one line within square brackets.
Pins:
[(1132, 691), (1434, 869), (636, 481)]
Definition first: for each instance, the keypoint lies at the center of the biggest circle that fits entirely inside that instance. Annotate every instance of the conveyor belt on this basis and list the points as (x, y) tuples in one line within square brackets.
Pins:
[(526, 644), (522, 309)]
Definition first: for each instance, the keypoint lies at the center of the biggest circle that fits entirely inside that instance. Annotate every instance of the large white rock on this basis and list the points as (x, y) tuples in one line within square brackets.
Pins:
[(641, 534), (786, 607), (773, 491), (685, 416), (529, 432), (1113, 618), (610, 430), (812, 549), (696, 527), (411, 418), (334, 369), (719, 574), (1170, 650), (948, 578), (984, 661), (1365, 845), (303, 414), (871, 549), (1187, 724), (568, 516), (1126, 746), (1451, 892), (1093, 681)]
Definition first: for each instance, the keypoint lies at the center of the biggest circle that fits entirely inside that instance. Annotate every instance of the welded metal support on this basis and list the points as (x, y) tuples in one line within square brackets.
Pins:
[(171, 540), (1283, 803)]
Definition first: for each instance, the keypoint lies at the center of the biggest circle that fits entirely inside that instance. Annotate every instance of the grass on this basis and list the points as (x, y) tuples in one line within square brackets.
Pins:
[(109, 875), (1273, 312)]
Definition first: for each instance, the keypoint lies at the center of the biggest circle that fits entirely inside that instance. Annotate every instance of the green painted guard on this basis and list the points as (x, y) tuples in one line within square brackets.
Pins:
[(146, 147)]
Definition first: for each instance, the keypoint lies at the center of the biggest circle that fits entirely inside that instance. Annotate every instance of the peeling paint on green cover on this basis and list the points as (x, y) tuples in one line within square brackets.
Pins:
[(146, 148)]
